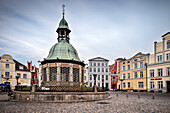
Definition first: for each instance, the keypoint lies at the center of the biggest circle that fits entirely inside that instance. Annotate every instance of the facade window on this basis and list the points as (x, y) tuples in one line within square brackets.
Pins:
[(90, 69), (85, 71), (168, 44), (25, 76), (141, 74), (128, 75), (124, 85), (135, 74), (128, 67), (106, 77), (106, 64), (128, 61), (152, 85), (152, 73), (90, 64), (113, 78), (19, 74), (123, 62), (159, 58), (84, 77), (141, 64), (90, 84), (128, 84), (160, 84), (94, 64), (135, 59), (102, 64), (98, 84), (114, 72), (123, 68), (168, 71), (102, 77), (124, 76), (98, 64), (102, 69), (106, 69), (98, 77), (94, 69), (135, 65), (168, 56), (21, 67), (140, 84), (98, 69), (90, 77), (159, 72), (6, 65), (6, 74)]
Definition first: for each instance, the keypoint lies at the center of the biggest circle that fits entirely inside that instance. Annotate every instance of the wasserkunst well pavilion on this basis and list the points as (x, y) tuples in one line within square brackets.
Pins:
[(63, 65)]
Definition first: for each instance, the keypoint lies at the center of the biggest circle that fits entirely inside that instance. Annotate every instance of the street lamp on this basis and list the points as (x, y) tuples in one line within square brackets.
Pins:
[(95, 87), (121, 83), (103, 84), (146, 77), (17, 77), (33, 75)]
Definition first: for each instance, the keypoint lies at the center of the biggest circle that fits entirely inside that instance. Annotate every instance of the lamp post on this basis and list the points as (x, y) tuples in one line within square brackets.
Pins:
[(33, 75), (103, 84), (121, 83), (95, 87), (17, 77), (146, 77)]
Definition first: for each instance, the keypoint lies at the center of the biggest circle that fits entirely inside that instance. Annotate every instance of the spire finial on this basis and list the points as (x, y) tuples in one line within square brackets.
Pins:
[(63, 9)]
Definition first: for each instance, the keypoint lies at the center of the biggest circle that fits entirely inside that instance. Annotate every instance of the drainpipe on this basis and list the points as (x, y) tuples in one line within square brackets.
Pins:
[(146, 77), (155, 51)]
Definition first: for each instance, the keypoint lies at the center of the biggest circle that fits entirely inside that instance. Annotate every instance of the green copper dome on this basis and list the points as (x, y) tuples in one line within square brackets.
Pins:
[(63, 24), (63, 50)]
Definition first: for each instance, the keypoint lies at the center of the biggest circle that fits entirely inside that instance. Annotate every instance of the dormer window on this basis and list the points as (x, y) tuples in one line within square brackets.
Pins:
[(168, 44), (21, 67)]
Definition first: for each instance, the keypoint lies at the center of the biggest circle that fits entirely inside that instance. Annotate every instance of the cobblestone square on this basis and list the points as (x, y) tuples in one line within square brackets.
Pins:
[(132, 104)]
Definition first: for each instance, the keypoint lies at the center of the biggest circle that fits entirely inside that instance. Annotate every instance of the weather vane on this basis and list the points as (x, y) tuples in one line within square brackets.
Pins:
[(63, 9)]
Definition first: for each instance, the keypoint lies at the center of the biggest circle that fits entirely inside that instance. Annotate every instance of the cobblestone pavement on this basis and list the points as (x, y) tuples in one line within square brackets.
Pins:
[(132, 104)]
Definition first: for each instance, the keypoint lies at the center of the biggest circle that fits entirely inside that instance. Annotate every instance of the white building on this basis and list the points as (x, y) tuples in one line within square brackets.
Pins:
[(99, 66)]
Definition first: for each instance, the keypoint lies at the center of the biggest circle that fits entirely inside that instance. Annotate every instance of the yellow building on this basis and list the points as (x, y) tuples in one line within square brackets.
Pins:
[(9, 68), (133, 73), (159, 66), (86, 75)]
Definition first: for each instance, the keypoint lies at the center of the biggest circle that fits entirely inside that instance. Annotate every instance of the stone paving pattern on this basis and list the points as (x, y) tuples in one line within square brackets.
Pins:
[(122, 104)]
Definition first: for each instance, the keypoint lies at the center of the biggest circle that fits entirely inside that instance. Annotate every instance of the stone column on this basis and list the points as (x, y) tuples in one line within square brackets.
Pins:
[(71, 75), (47, 72), (58, 74)]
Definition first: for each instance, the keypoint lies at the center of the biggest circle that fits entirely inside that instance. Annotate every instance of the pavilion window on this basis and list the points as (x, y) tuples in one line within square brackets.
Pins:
[(53, 74), (44, 74), (64, 74), (75, 74)]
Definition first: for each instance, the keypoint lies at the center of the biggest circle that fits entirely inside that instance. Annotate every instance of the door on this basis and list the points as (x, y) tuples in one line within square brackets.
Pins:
[(113, 86), (168, 86)]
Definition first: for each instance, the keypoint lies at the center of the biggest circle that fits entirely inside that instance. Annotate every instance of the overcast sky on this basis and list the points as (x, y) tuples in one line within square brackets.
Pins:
[(105, 28)]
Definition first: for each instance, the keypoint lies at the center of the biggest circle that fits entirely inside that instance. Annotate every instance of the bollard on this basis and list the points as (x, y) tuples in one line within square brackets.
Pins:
[(153, 96), (127, 95), (117, 95), (138, 96)]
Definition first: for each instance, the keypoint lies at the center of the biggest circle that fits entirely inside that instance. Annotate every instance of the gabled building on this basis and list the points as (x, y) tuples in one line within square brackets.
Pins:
[(115, 74), (159, 66), (133, 73), (99, 66), (10, 68)]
